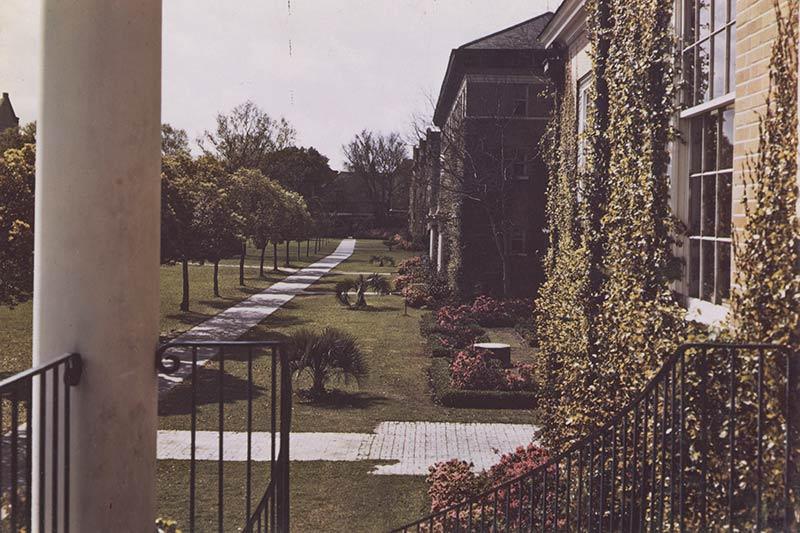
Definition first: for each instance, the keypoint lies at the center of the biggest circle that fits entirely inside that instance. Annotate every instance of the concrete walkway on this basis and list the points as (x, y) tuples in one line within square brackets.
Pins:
[(410, 447), (235, 321)]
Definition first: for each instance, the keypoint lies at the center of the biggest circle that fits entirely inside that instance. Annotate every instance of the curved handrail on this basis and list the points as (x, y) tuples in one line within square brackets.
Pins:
[(546, 468)]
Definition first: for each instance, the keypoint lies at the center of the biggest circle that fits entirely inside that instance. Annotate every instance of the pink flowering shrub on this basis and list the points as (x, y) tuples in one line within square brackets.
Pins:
[(490, 312), (475, 370), (402, 281), (413, 265), (416, 296), (453, 482)]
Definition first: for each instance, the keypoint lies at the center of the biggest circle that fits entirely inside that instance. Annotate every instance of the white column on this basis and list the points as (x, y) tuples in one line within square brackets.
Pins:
[(440, 253), (96, 286), (432, 244)]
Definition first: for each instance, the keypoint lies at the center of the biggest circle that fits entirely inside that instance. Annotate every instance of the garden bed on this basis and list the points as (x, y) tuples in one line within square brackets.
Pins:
[(445, 394)]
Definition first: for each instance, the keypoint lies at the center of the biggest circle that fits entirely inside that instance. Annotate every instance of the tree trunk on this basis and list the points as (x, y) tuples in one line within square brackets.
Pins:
[(298, 250), (287, 252), (505, 276), (241, 263), (216, 278), (275, 256), (308, 245), (185, 270), (261, 265)]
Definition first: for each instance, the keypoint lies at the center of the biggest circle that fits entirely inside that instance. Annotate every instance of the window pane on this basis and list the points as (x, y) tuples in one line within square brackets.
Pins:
[(694, 205), (688, 77), (726, 140), (710, 142), (696, 147), (703, 17), (707, 269), (703, 68), (724, 205), (720, 74), (709, 205), (732, 11), (723, 272), (720, 13), (688, 21), (732, 58), (694, 268)]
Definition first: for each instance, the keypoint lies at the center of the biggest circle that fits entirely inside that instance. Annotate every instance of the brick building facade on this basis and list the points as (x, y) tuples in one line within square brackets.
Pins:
[(482, 172), (726, 48)]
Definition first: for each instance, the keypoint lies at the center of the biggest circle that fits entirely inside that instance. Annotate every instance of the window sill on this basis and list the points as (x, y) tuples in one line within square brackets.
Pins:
[(705, 312), (719, 101)]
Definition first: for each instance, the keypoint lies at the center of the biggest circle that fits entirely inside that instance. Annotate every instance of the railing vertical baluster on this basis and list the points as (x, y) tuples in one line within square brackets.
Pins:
[(732, 435), (508, 508), (13, 472), (193, 444), (221, 443), (554, 519), (273, 429), (704, 440), (623, 497), (249, 475), (683, 445), (544, 500), (664, 432), (469, 517), (673, 430), (54, 484), (67, 399), (602, 481), (590, 479), (494, 512), (28, 454), (635, 470), (579, 508), (569, 489), (613, 503), (759, 437), (787, 466), (286, 416), (42, 443), (654, 461), (642, 511)]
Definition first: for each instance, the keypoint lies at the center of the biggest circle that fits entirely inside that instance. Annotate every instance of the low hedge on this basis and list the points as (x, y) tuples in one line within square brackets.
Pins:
[(445, 394)]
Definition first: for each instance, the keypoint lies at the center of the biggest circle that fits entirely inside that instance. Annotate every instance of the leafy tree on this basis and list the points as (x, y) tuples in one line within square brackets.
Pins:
[(303, 170), (328, 355), (179, 235), (219, 224), (244, 137), (17, 180), (174, 141), (380, 161), (17, 137)]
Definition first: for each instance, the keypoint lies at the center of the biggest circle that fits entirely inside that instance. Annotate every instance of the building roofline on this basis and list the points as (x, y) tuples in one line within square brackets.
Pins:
[(561, 20), (498, 32)]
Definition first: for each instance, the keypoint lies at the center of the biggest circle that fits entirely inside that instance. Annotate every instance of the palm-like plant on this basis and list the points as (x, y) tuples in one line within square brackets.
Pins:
[(360, 285), (330, 354)]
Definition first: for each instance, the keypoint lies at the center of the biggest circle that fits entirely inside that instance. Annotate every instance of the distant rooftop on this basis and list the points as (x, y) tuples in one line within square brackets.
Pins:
[(521, 36), (8, 119)]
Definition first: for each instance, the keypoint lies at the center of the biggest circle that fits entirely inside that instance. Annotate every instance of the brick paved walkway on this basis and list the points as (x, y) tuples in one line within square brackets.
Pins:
[(410, 447)]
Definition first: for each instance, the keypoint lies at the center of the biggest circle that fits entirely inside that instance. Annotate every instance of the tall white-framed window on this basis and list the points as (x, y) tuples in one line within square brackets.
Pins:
[(709, 50), (582, 112)]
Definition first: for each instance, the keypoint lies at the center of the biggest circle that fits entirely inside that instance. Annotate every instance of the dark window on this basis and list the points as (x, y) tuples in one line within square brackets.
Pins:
[(518, 241), (709, 49), (520, 108)]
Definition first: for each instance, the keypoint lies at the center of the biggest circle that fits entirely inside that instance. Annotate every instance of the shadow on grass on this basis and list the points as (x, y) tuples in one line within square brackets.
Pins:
[(178, 401), (337, 399)]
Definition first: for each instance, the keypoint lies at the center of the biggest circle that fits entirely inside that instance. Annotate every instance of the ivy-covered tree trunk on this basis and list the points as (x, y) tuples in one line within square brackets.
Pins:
[(185, 284), (261, 263), (242, 256), (216, 278)]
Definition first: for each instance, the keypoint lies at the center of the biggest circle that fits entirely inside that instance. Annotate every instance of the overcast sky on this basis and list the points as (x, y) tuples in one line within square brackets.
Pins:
[(331, 67)]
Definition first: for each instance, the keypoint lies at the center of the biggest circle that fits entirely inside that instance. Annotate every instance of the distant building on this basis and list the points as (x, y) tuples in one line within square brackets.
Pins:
[(8, 119), (486, 191), (347, 199)]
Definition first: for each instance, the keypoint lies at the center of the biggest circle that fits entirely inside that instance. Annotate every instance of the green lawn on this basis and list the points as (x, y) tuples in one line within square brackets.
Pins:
[(16, 323)]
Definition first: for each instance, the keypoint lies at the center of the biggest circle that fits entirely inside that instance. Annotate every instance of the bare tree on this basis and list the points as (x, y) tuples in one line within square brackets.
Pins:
[(379, 160), (244, 137)]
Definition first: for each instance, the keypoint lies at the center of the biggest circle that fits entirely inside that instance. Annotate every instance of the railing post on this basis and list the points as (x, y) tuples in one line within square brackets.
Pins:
[(96, 287), (286, 416)]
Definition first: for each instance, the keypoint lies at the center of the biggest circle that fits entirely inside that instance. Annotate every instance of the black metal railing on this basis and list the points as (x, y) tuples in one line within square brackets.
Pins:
[(709, 444), (257, 394), (35, 423)]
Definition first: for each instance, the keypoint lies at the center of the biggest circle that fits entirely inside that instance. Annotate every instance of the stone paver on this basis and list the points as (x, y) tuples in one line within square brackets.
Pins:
[(235, 321), (413, 446)]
